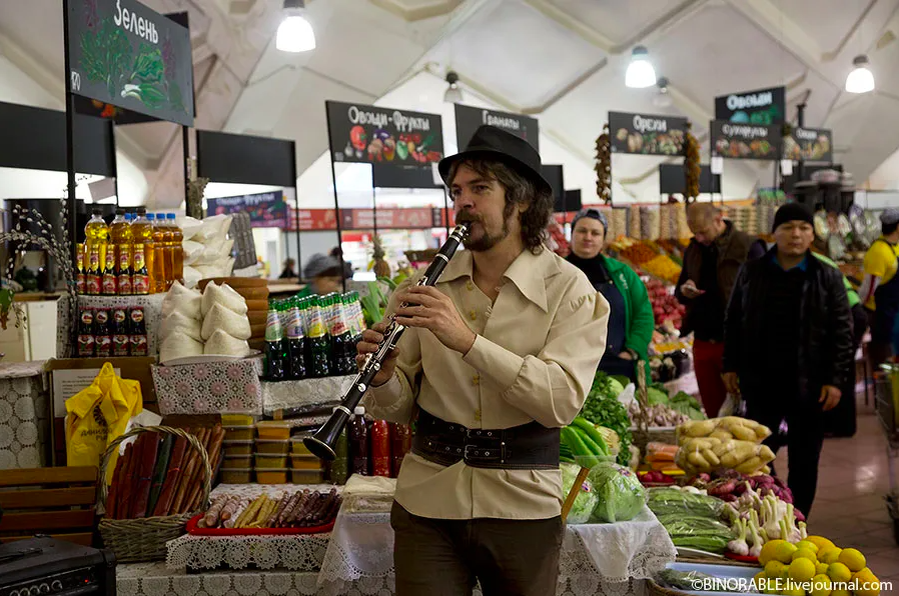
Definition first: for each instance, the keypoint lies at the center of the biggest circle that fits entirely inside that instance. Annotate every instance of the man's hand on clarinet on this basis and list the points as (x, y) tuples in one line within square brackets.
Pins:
[(371, 338), (432, 310)]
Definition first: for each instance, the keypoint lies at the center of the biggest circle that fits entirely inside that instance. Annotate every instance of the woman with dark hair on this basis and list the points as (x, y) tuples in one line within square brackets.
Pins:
[(631, 320)]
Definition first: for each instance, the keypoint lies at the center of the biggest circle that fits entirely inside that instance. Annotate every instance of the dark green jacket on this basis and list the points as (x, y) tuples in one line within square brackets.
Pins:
[(638, 317)]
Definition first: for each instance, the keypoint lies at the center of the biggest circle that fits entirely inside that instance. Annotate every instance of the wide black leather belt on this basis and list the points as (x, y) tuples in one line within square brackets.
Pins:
[(530, 446)]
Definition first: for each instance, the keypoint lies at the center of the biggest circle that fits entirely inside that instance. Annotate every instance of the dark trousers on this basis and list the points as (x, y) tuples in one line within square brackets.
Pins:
[(804, 439), (438, 557), (708, 364)]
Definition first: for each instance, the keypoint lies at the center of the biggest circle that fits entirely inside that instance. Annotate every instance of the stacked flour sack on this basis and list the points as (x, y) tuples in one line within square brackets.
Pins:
[(207, 248), (210, 323)]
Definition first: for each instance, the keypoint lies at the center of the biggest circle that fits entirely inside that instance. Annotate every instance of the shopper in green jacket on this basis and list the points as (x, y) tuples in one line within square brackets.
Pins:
[(631, 322)]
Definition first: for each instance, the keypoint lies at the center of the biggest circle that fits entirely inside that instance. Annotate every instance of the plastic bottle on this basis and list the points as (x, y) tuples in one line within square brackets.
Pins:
[(96, 233), (160, 273), (342, 347), (102, 333), (380, 448), (177, 249), (318, 346), (400, 445), (121, 237), (108, 280), (142, 233), (359, 432), (140, 273), (80, 273), (93, 279), (296, 344)]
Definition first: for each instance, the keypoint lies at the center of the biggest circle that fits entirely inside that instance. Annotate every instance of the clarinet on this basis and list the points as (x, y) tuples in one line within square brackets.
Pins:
[(321, 444)]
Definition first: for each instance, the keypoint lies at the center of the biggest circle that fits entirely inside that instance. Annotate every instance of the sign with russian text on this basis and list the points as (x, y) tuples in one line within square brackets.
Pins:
[(266, 209), (764, 106), (647, 134), (124, 54), (469, 119), (745, 141)]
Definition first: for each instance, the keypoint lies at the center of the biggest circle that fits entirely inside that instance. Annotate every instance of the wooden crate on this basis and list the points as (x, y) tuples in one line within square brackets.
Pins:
[(59, 502)]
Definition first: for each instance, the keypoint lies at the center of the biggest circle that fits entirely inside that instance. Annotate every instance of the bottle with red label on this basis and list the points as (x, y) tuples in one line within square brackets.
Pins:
[(102, 333), (380, 448), (86, 332), (121, 340), (110, 281), (400, 445), (138, 331), (358, 439), (140, 275), (92, 283), (80, 274)]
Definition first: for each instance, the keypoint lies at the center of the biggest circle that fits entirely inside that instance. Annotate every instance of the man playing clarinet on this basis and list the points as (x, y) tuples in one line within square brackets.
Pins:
[(497, 357)]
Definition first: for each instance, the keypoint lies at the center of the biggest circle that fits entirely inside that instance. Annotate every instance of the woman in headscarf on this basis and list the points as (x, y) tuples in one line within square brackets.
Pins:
[(631, 321)]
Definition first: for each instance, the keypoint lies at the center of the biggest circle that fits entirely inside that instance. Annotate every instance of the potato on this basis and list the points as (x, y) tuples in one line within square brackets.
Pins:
[(750, 465), (762, 432), (729, 460), (721, 435), (766, 454), (698, 460), (711, 458), (744, 434), (724, 447), (699, 428), (765, 469)]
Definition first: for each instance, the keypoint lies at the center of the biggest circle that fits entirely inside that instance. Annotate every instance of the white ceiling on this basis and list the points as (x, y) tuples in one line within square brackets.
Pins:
[(561, 60)]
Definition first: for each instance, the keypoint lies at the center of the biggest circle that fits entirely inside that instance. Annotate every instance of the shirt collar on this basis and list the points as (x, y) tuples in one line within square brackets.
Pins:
[(803, 266), (528, 272)]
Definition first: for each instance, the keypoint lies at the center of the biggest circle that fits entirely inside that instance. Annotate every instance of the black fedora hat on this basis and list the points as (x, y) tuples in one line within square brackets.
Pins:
[(490, 142)]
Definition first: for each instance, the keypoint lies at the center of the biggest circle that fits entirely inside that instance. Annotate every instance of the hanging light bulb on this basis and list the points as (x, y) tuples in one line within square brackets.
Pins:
[(662, 98), (640, 73), (453, 93), (861, 79), (295, 34)]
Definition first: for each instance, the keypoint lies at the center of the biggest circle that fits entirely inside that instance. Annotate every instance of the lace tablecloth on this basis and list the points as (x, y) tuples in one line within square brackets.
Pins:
[(308, 393), (24, 424), (154, 579), (595, 558), (298, 552)]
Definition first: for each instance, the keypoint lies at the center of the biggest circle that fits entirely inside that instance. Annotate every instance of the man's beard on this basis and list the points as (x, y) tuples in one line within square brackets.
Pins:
[(486, 241)]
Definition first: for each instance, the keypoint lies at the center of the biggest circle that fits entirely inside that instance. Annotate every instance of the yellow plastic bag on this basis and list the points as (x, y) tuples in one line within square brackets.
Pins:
[(99, 414)]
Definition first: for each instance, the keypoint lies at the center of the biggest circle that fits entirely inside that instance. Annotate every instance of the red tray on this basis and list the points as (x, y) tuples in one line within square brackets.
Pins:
[(195, 530), (741, 558)]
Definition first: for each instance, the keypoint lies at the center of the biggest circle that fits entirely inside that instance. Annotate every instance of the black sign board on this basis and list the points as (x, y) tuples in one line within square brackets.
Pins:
[(672, 179), (573, 200), (647, 134), (124, 54), (745, 141), (553, 174), (809, 144), (40, 141), (242, 159), (369, 134), (764, 106), (469, 119)]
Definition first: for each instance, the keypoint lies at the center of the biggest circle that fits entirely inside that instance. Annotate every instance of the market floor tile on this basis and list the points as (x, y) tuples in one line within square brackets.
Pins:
[(850, 506)]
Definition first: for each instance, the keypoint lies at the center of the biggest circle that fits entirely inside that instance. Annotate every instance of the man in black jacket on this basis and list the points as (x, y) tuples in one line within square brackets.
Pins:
[(788, 344), (711, 263)]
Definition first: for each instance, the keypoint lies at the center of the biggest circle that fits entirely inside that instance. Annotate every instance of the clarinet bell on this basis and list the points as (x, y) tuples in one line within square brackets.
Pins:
[(321, 444)]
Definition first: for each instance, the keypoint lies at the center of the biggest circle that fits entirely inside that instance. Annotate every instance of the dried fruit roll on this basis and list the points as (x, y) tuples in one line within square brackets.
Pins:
[(112, 495), (249, 512), (294, 499), (313, 517), (214, 450), (242, 505), (192, 458), (279, 507), (264, 512), (211, 519), (300, 509)]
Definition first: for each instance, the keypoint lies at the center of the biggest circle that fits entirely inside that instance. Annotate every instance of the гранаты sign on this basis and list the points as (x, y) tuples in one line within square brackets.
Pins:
[(124, 54), (647, 134), (469, 119), (369, 134)]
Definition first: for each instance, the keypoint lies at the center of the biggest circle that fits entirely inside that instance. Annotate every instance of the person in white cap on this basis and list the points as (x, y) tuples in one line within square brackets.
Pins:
[(880, 288)]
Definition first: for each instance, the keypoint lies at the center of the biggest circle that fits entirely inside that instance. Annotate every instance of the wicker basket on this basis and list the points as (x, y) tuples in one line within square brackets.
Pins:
[(143, 540)]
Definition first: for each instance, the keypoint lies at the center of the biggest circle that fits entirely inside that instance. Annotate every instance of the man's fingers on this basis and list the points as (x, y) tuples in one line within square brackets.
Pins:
[(372, 336)]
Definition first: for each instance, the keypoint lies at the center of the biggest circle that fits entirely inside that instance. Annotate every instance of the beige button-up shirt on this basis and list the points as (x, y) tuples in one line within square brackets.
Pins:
[(534, 358)]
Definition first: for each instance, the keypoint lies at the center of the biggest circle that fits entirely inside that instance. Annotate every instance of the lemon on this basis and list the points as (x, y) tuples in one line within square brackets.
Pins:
[(784, 552), (768, 551), (821, 569), (820, 542), (804, 553), (821, 585), (853, 559), (793, 592), (775, 569), (829, 554), (809, 545), (802, 570), (867, 583), (839, 573)]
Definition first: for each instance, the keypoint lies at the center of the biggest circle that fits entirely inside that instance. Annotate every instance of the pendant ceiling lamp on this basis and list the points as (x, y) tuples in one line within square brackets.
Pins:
[(453, 92), (663, 97), (295, 34), (861, 79), (640, 73)]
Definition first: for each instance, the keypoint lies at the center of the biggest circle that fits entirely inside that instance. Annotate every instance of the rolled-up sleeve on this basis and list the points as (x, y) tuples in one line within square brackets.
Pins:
[(551, 386)]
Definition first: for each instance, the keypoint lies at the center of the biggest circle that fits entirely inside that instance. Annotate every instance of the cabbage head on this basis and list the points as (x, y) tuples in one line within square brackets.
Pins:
[(620, 496), (586, 499)]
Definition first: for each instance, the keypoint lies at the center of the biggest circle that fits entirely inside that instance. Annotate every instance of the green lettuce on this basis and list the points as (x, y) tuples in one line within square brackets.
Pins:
[(620, 495)]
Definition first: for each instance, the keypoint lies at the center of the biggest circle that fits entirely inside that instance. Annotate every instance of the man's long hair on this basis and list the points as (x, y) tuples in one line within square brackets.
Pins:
[(519, 191)]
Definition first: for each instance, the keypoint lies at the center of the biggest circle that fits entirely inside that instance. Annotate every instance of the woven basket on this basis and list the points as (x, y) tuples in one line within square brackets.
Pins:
[(143, 540)]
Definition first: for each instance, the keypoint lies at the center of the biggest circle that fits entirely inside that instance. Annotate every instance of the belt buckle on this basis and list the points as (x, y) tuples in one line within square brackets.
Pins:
[(475, 448)]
